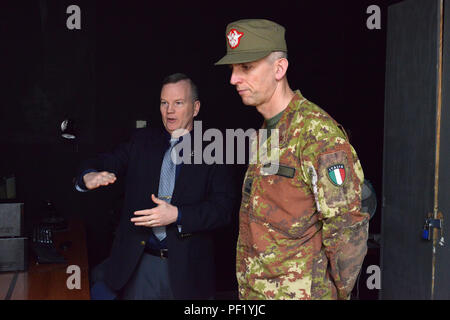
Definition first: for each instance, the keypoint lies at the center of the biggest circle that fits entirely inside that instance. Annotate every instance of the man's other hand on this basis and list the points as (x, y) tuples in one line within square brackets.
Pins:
[(162, 215)]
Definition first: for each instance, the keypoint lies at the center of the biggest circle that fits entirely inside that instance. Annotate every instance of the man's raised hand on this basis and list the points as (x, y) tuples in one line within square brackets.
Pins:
[(93, 180)]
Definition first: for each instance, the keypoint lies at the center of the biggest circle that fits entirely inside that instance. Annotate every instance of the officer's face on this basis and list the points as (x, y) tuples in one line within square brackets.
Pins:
[(177, 108), (255, 81)]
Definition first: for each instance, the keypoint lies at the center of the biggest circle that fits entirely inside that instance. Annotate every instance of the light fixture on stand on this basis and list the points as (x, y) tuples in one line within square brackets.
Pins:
[(69, 131)]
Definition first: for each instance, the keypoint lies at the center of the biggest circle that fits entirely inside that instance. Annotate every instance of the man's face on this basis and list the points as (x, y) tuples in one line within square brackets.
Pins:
[(255, 81), (177, 108)]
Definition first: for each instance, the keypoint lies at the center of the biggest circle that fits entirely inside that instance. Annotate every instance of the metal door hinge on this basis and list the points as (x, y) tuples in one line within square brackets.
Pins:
[(431, 224)]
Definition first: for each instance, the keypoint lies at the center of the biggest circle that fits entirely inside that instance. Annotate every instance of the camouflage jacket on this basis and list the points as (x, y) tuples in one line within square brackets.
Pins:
[(302, 234)]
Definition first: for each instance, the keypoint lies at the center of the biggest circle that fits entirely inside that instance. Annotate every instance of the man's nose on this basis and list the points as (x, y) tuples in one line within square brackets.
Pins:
[(234, 80), (170, 108)]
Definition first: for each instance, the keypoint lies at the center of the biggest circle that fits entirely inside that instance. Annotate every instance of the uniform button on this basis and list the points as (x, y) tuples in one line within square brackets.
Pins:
[(143, 243)]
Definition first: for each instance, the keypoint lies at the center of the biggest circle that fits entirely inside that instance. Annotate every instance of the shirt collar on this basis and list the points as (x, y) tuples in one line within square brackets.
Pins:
[(168, 136)]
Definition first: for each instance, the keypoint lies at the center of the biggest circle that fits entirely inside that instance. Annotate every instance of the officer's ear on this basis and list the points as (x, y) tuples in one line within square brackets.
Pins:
[(281, 66)]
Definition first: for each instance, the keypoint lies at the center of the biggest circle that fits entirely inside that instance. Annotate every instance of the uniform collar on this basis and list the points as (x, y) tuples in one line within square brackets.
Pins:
[(286, 118)]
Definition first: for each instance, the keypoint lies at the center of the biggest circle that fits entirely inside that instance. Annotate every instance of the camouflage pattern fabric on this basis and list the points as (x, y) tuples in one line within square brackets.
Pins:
[(302, 234)]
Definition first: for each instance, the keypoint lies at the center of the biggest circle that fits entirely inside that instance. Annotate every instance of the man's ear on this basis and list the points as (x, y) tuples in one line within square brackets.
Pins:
[(196, 107), (281, 66)]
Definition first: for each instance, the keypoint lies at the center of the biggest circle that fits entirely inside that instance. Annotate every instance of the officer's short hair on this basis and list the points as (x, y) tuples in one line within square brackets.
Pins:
[(277, 55), (177, 77)]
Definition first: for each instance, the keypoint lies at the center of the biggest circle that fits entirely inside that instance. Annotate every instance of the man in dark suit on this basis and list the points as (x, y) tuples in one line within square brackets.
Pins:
[(163, 247)]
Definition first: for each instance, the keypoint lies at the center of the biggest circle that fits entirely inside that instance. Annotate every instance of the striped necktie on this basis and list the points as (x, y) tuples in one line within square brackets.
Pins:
[(166, 184)]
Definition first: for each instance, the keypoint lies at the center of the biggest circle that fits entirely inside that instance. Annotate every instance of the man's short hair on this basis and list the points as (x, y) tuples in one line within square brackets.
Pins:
[(177, 77), (278, 55)]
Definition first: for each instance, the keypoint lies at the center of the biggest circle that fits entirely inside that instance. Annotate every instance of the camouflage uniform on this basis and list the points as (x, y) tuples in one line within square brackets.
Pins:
[(301, 234)]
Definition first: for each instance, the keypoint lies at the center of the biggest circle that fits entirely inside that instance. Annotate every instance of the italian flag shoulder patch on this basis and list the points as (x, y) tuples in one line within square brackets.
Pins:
[(336, 174)]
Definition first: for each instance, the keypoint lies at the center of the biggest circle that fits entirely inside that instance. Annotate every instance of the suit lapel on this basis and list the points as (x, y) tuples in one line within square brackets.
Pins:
[(154, 152), (186, 175)]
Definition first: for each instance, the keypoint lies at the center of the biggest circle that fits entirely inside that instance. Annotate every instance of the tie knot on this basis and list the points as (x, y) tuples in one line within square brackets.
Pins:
[(173, 141)]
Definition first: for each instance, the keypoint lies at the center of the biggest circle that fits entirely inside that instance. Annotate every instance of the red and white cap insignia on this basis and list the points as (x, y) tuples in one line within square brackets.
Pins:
[(234, 38)]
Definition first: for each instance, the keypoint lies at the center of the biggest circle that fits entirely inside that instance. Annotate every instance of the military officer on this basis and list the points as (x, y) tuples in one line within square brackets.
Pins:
[(302, 234)]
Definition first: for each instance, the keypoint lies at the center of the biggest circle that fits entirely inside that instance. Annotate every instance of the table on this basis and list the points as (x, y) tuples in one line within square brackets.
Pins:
[(49, 281)]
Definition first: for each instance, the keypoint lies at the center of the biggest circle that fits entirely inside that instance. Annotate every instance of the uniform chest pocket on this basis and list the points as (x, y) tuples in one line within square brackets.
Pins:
[(280, 200)]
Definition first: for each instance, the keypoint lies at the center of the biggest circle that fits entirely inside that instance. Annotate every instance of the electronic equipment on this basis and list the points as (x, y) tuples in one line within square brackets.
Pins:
[(13, 254), (13, 246), (11, 219), (53, 221), (44, 247)]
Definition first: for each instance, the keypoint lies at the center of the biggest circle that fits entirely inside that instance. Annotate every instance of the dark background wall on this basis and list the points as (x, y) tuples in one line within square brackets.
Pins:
[(107, 75)]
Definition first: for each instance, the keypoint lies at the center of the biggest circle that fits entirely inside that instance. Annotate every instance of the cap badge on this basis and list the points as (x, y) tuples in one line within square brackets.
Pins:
[(234, 38)]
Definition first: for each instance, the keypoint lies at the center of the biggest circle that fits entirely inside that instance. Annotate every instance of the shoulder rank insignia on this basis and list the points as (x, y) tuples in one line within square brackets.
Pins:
[(336, 174)]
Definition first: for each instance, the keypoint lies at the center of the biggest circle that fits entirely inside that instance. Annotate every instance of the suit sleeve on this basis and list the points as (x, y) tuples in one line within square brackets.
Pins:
[(216, 209), (115, 162), (336, 181)]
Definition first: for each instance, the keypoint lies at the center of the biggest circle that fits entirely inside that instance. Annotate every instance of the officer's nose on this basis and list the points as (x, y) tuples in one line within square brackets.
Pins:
[(234, 80)]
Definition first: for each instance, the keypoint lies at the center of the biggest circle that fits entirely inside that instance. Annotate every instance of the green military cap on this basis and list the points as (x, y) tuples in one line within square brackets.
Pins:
[(252, 39)]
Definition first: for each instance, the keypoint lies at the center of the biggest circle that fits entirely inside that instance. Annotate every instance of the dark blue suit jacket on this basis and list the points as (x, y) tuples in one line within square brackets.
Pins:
[(205, 194)]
